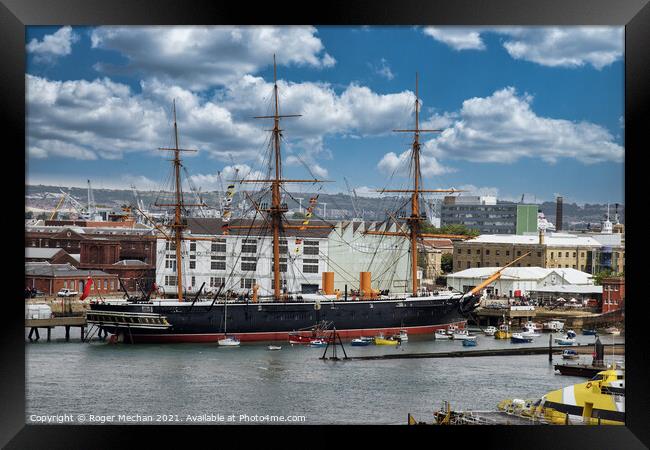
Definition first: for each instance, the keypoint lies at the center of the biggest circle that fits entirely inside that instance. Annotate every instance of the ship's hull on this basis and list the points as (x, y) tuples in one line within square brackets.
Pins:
[(273, 321)]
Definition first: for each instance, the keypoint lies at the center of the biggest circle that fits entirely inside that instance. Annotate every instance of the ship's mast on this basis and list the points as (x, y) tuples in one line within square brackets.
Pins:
[(178, 226), (277, 210), (413, 233)]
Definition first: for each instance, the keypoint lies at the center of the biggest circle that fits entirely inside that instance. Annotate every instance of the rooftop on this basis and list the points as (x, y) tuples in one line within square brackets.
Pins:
[(570, 276), (550, 240), (41, 253)]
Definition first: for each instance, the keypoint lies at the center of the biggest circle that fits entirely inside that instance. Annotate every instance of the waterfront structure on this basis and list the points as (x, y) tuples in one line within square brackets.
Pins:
[(548, 250), (128, 253), (581, 293), (613, 293), (522, 279), (487, 215), (51, 278)]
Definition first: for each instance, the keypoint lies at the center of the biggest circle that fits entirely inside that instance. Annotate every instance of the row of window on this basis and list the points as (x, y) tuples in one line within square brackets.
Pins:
[(497, 252), (97, 284)]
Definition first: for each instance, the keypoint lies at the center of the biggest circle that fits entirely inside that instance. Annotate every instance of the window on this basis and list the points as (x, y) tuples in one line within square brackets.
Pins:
[(192, 264), (468, 264), (567, 254), (310, 248), (478, 251), (249, 246), (192, 255), (217, 281), (507, 252), (170, 280), (552, 255), (105, 285), (459, 251), (112, 285), (193, 281), (582, 254), (170, 264), (497, 252), (170, 246), (248, 263), (247, 283), (218, 262), (192, 246), (469, 252), (219, 246), (518, 252), (65, 284), (283, 265), (574, 254), (310, 266), (539, 254)]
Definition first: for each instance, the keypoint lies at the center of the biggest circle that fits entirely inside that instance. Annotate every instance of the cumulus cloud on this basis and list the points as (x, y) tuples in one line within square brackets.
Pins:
[(458, 38), (53, 45), (202, 56), (598, 46), (383, 69), (400, 164), (503, 128), (221, 179)]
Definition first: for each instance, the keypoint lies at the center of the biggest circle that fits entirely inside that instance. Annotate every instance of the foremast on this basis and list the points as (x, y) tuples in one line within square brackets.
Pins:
[(178, 226), (275, 213), (413, 221)]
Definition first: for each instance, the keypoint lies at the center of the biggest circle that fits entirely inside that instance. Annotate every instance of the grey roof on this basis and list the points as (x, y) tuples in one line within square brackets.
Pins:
[(570, 289), (130, 262), (45, 253), (59, 270)]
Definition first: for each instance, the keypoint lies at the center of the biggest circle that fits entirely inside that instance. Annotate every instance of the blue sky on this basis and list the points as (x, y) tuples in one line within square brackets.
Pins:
[(523, 110)]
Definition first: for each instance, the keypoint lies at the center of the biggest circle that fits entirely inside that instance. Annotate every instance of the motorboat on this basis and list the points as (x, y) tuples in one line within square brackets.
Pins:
[(530, 332), (613, 331), (402, 336), (318, 343), (274, 347), (229, 341), (569, 353), (570, 334), (489, 331), (361, 342), (470, 341), (503, 332), (518, 338), (384, 341), (565, 341), (534, 326), (461, 334), (553, 325), (439, 334), (589, 331)]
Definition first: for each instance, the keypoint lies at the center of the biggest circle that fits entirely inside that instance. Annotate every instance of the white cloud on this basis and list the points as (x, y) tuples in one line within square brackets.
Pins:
[(400, 164), (566, 47), (54, 45), (598, 46), (503, 128), (202, 56), (221, 179), (383, 69), (458, 38)]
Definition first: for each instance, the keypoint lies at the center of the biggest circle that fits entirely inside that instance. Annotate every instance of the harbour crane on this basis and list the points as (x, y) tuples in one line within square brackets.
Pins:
[(91, 201), (56, 210)]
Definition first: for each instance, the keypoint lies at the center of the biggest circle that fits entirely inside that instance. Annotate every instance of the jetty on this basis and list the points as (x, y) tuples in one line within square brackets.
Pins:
[(583, 348), (48, 324)]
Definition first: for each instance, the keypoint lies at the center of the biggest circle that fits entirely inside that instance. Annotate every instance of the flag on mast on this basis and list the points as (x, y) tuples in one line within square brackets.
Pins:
[(86, 291)]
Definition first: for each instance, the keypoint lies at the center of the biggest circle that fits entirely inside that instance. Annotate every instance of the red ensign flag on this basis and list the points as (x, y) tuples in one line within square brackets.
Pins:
[(89, 283)]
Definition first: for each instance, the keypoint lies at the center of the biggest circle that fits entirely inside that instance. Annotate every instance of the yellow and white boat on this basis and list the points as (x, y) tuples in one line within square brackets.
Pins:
[(503, 332), (599, 401), (381, 340)]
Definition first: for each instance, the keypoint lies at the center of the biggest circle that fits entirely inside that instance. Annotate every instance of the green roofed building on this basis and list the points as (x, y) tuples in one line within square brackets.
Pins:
[(526, 219)]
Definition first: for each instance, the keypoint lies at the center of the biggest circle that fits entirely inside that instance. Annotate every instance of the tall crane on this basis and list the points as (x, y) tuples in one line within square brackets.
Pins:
[(56, 210), (353, 198), (91, 201)]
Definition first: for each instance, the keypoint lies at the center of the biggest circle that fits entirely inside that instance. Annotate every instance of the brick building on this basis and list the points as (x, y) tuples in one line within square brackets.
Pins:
[(51, 278), (613, 293), (129, 253), (50, 255)]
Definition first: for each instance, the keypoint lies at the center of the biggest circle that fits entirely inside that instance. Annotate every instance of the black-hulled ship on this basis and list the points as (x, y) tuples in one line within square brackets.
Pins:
[(275, 317)]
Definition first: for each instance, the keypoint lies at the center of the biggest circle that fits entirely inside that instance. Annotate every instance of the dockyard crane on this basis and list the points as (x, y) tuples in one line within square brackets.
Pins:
[(91, 201), (56, 210), (353, 198)]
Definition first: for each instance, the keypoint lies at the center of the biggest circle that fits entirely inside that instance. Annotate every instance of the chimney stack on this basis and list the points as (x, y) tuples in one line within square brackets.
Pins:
[(541, 236), (558, 214)]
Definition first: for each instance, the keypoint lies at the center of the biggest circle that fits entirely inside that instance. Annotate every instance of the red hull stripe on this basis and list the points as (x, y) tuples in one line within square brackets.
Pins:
[(284, 335)]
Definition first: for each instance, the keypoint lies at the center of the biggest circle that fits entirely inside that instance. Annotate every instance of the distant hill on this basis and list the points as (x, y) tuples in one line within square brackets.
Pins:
[(338, 206)]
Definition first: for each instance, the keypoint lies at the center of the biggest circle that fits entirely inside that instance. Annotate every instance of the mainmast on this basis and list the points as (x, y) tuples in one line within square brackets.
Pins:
[(413, 221), (276, 211)]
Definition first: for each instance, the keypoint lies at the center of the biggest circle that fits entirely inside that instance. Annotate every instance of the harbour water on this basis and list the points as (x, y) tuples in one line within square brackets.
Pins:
[(207, 382)]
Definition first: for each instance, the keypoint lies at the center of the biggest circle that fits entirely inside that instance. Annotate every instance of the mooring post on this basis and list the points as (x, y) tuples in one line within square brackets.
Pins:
[(49, 333), (346, 293), (83, 330), (67, 333), (550, 348)]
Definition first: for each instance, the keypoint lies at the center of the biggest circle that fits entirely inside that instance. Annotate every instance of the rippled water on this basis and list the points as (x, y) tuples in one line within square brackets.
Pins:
[(193, 379)]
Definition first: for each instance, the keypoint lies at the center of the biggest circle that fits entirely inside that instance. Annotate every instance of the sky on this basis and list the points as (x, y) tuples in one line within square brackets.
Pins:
[(521, 110)]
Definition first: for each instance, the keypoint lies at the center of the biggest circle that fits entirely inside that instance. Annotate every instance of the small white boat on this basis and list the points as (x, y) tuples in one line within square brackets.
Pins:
[(229, 342), (318, 343), (439, 334), (534, 326), (529, 332), (403, 336), (489, 331), (570, 334), (462, 334), (565, 341), (613, 331), (451, 329), (570, 354), (519, 338), (554, 325), (274, 347)]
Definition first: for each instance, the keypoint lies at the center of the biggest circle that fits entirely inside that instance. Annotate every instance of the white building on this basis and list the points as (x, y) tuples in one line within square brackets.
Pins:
[(244, 257), (524, 279)]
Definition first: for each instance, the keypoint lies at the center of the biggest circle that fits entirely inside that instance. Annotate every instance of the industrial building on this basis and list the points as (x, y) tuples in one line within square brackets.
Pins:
[(489, 216), (51, 278), (522, 279)]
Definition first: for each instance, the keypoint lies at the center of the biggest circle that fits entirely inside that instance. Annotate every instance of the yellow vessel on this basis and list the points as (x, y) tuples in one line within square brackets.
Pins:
[(503, 332), (383, 341), (599, 401)]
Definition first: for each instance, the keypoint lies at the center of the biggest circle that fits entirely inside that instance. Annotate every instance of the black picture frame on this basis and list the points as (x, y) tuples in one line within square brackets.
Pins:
[(633, 14)]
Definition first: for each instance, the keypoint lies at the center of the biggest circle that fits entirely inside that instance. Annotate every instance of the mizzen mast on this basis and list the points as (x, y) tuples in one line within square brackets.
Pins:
[(413, 232)]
